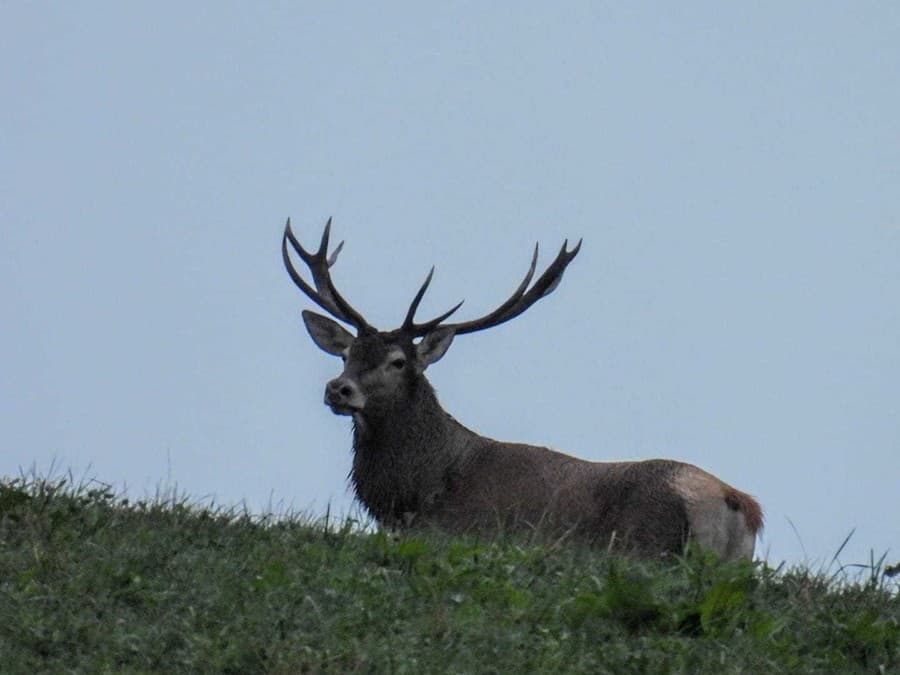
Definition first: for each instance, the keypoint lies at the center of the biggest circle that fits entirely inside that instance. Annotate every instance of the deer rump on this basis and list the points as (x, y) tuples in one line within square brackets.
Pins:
[(414, 465)]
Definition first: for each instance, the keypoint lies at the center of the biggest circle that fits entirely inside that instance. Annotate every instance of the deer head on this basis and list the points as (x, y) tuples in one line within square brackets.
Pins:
[(383, 368)]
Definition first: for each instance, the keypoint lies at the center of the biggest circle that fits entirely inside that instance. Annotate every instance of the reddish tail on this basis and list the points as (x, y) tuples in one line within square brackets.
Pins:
[(741, 501)]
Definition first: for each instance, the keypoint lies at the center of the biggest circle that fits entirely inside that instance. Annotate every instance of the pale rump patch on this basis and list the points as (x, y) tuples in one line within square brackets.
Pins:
[(720, 517)]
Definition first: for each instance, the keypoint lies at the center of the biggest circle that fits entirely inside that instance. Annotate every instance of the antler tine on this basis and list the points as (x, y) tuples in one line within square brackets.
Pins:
[(418, 329), (553, 275), (325, 295), (521, 299), (334, 254), (414, 305), (310, 292), (423, 328), (520, 291)]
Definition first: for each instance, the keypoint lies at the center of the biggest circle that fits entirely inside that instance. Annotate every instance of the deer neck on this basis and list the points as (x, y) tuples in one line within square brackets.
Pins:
[(403, 456)]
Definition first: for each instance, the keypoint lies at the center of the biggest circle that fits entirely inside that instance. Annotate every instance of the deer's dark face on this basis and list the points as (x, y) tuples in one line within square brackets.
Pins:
[(376, 373), (380, 369)]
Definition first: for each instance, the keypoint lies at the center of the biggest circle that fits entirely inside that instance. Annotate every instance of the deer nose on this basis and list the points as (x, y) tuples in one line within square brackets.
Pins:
[(342, 393), (340, 389)]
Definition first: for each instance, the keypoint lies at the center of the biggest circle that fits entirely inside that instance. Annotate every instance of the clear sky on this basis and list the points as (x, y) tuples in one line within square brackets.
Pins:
[(733, 168)]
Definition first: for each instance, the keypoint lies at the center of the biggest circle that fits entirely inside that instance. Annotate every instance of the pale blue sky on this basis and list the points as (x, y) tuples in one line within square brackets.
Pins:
[(733, 168)]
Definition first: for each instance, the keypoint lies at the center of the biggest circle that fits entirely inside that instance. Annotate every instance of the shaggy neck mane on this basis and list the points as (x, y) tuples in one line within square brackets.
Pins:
[(403, 456)]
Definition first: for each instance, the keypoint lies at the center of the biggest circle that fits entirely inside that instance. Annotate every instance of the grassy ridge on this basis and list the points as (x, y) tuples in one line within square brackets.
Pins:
[(92, 583)]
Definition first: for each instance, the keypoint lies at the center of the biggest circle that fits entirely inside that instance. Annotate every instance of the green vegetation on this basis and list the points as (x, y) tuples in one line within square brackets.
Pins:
[(92, 583)]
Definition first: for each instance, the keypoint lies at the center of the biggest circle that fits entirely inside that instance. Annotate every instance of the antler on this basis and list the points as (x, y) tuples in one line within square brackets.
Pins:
[(521, 299), (412, 328), (325, 295)]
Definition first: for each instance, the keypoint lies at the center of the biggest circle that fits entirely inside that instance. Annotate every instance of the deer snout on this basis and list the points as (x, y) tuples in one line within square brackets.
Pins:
[(343, 396)]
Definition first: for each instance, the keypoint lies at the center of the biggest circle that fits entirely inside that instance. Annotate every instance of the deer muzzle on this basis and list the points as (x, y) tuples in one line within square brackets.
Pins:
[(343, 396)]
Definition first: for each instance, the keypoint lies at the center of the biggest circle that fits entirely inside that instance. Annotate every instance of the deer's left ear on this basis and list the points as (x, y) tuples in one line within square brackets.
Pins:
[(434, 345)]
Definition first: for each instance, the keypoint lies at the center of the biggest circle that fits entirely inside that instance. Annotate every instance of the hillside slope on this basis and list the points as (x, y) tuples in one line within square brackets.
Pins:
[(93, 583)]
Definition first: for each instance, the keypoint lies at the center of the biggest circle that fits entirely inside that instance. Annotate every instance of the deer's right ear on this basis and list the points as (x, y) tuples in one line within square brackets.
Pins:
[(329, 335)]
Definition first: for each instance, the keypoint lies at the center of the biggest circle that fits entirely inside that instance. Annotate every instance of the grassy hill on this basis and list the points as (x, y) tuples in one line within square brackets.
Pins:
[(92, 583)]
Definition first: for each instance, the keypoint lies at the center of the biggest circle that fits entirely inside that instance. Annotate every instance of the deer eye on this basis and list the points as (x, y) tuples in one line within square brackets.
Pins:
[(398, 363)]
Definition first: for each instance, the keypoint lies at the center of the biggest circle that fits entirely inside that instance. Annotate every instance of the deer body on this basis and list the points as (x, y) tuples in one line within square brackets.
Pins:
[(414, 465)]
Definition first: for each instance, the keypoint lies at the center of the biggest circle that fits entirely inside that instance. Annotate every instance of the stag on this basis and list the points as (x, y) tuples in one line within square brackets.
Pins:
[(415, 466)]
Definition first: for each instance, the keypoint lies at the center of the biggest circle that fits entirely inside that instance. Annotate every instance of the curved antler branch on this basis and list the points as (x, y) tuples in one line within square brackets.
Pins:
[(415, 329), (521, 299), (325, 295)]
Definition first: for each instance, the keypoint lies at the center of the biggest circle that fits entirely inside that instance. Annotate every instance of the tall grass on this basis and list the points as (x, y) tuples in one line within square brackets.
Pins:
[(90, 582)]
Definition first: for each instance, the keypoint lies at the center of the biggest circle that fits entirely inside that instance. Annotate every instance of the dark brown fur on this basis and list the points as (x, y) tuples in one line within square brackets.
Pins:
[(415, 465)]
